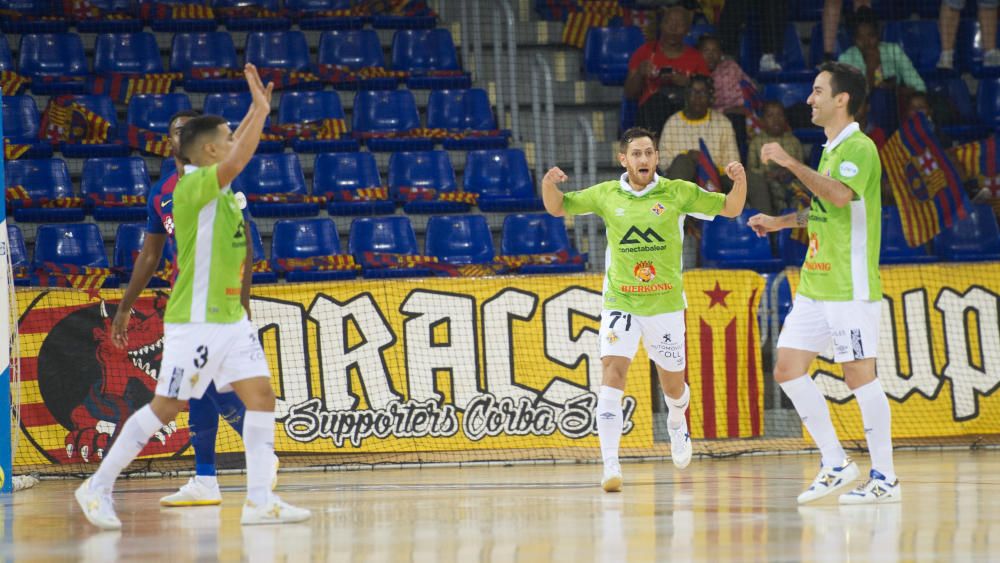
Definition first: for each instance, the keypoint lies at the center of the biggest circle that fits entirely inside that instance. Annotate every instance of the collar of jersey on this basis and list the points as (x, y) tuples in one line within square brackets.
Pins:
[(851, 129), (189, 168), (627, 188)]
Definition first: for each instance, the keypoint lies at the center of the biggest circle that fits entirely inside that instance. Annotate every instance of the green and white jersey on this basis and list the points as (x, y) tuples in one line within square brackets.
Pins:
[(211, 249), (645, 239), (842, 260)]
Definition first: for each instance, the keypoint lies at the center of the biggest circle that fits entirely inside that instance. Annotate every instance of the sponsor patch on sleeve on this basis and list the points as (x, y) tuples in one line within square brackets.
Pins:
[(848, 169)]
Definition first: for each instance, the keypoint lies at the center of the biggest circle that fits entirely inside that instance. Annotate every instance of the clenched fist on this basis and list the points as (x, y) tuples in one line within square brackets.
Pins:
[(555, 175), (736, 172)]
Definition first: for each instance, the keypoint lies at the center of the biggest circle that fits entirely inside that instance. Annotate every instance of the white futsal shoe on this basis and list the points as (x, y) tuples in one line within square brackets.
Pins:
[(680, 445), (612, 481), (876, 490), (830, 479), (97, 507), (194, 493), (274, 511)]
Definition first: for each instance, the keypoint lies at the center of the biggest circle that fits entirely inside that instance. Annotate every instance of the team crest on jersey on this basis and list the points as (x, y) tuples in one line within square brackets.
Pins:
[(644, 271), (813, 245), (658, 209)]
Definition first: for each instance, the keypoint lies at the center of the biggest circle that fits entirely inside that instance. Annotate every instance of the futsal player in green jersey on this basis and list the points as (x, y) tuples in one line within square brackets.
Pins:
[(207, 335), (643, 287), (839, 298)]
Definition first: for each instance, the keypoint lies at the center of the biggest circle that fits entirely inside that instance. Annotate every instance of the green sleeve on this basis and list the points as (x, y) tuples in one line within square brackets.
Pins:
[(198, 188), (859, 166), (587, 200), (903, 67), (700, 202), (853, 57)]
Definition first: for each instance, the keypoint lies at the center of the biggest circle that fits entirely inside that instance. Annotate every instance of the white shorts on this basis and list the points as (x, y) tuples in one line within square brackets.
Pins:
[(663, 336), (852, 327), (196, 354)]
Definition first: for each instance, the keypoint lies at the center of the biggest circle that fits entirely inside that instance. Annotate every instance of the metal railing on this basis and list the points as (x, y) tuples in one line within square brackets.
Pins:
[(544, 134), (586, 227), (503, 15)]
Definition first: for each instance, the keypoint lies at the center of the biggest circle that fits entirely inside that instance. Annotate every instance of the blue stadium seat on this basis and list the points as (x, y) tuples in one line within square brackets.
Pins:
[(697, 30), (974, 239), (422, 52), (791, 252), (299, 107), (465, 111), (389, 235), (788, 93), (816, 43), (115, 177), (423, 169), (19, 262), (793, 64), (33, 24), (233, 107), (459, 239), (894, 249), (920, 40), (350, 172), (129, 53), (258, 254), (42, 178), (167, 22), (275, 174), (956, 92), (988, 102), (305, 12), (502, 180), (355, 49), (387, 111), (628, 111), (286, 50), (243, 22), (807, 10), (538, 233), (126, 19), (210, 50), (153, 111), (104, 107), (78, 245), (606, 52), (305, 238), (390, 21), (53, 56), (129, 238), (6, 59), (731, 244), (21, 125), (969, 50)]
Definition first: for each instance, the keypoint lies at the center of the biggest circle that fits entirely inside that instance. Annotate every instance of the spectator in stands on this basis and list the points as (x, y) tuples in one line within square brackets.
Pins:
[(773, 16), (680, 135), (950, 10), (772, 188), (884, 64), (660, 69), (831, 23), (726, 78)]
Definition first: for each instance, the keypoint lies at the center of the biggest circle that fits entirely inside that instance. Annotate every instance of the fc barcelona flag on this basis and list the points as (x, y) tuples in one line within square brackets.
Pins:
[(980, 160), (708, 173), (924, 181)]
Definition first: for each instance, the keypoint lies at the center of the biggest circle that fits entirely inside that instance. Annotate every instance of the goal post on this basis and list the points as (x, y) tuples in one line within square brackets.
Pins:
[(7, 329)]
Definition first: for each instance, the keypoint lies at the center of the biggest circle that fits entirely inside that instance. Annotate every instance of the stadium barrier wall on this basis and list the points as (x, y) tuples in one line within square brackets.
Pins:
[(369, 371)]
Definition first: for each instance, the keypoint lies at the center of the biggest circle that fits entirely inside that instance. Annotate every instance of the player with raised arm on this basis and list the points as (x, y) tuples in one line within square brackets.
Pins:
[(643, 285), (203, 418), (839, 298), (207, 335)]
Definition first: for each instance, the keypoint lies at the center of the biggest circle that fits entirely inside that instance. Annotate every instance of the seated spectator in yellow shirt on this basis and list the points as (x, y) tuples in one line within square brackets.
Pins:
[(679, 139)]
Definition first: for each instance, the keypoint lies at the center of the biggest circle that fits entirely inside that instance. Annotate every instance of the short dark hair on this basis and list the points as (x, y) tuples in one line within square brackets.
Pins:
[(707, 38), (195, 128), (632, 134), (772, 103), (846, 78), (191, 113), (863, 16)]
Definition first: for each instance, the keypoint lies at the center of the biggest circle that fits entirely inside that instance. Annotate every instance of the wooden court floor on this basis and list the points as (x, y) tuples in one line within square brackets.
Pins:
[(737, 509)]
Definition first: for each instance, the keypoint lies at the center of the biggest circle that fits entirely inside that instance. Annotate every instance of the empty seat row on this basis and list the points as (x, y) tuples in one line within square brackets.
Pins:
[(276, 186), (50, 59), (450, 240)]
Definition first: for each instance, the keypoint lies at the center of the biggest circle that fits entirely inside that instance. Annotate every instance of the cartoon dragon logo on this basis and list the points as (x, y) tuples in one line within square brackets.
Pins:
[(91, 387)]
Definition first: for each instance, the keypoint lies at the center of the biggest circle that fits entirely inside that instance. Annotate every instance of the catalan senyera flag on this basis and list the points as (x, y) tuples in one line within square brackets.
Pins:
[(708, 173), (283, 78), (980, 160), (163, 11), (334, 262), (121, 87), (597, 13), (148, 141), (361, 194), (924, 181), (378, 260), (11, 82), (14, 151), (323, 129), (753, 103), (72, 275), (422, 193)]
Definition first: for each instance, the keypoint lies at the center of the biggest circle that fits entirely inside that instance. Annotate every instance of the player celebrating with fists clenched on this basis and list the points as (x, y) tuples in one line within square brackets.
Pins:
[(643, 288)]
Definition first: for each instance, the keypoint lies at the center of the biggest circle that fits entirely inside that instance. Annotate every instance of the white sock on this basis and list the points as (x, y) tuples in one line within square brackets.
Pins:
[(258, 440), (134, 435), (609, 422), (815, 414), (677, 408), (877, 419)]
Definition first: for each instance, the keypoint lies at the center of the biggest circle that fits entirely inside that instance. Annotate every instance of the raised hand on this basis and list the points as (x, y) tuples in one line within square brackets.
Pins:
[(773, 152), (736, 172), (261, 95), (763, 224), (555, 175)]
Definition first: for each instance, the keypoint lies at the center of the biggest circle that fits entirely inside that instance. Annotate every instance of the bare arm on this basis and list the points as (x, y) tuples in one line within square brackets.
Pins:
[(737, 197), (142, 272), (825, 187), (763, 224), (242, 127), (552, 196), (244, 147), (633, 84)]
